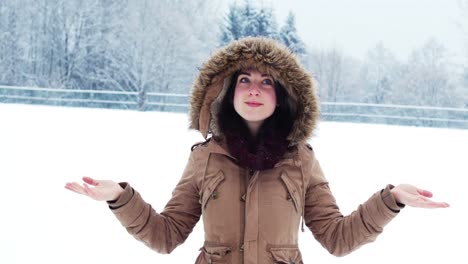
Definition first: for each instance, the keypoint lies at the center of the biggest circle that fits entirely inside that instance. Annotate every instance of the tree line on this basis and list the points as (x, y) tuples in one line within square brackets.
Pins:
[(138, 45), (148, 46)]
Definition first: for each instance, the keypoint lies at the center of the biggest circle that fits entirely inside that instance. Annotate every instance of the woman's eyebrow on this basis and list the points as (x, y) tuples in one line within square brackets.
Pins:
[(263, 74)]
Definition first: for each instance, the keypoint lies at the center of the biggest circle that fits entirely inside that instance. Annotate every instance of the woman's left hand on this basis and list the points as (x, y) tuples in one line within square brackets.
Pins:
[(412, 196)]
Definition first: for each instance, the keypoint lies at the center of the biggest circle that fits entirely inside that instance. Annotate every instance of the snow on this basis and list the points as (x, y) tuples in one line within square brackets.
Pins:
[(43, 147)]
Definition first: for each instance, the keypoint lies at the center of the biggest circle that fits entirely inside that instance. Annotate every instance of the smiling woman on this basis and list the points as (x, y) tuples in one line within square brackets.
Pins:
[(255, 181)]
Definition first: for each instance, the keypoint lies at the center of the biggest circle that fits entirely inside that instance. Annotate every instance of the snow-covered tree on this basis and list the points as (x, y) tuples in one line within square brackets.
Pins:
[(426, 80), (105, 44), (232, 28), (380, 71), (290, 37), (250, 23), (462, 89), (248, 20), (10, 43), (336, 75), (267, 25)]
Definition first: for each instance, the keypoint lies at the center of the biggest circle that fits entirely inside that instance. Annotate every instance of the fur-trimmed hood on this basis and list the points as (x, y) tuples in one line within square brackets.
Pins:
[(267, 56)]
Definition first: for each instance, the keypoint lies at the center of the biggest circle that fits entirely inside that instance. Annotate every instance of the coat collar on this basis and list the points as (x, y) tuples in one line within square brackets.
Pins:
[(220, 147)]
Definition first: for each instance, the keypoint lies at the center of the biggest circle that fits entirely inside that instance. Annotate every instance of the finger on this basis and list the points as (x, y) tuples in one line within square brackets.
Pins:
[(90, 181), (68, 186), (437, 205), (72, 186), (426, 203), (75, 187), (424, 193)]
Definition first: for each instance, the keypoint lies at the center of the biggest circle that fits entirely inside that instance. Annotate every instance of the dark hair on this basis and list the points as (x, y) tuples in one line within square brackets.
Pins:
[(278, 125)]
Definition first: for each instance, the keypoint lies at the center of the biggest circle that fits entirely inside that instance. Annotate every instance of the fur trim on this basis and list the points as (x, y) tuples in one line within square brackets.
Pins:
[(267, 56)]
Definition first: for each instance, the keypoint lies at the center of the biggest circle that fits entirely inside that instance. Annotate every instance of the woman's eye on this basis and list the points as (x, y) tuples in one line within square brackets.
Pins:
[(268, 82), (243, 80)]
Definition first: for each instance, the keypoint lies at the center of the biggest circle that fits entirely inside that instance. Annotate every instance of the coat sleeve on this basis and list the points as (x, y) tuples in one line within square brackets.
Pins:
[(164, 231), (339, 234)]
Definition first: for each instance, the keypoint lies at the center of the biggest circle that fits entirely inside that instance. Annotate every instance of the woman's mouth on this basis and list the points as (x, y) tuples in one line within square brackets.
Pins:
[(253, 104)]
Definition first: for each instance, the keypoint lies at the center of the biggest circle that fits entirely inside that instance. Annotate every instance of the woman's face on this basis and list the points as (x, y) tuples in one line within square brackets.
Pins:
[(254, 98)]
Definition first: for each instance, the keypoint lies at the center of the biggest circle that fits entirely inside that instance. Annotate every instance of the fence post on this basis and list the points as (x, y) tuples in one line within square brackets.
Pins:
[(141, 99)]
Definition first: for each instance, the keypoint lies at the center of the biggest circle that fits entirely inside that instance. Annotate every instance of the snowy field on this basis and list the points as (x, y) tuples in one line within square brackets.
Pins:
[(43, 147)]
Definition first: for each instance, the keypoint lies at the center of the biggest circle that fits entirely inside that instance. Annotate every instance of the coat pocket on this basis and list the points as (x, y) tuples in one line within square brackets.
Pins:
[(293, 192), (214, 254), (286, 255), (210, 191)]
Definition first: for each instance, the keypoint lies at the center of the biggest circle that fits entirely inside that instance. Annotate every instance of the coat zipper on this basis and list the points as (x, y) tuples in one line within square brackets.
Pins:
[(246, 180)]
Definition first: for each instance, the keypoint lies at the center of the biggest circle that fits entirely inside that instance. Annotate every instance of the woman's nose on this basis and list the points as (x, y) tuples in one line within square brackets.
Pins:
[(254, 90)]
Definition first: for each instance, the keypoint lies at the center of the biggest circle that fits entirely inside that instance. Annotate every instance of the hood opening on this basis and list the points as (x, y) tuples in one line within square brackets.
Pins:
[(268, 56)]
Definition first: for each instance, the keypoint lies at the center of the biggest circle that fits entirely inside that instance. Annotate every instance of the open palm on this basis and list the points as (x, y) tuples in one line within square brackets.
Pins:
[(100, 190), (415, 197)]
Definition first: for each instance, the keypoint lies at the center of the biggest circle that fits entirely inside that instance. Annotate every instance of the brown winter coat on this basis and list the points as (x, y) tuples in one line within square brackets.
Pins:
[(253, 216)]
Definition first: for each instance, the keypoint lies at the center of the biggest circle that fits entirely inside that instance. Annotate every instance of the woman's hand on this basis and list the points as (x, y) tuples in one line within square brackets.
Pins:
[(100, 190), (412, 196)]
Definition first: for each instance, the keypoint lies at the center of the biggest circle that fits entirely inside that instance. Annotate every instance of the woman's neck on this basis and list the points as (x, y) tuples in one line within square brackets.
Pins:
[(254, 127)]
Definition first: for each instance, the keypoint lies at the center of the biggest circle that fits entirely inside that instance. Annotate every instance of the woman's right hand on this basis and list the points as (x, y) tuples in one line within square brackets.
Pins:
[(100, 190)]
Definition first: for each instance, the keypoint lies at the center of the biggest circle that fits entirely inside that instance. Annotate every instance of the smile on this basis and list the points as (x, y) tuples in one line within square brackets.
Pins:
[(253, 104)]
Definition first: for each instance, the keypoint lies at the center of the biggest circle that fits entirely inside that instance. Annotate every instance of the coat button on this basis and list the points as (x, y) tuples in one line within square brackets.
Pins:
[(214, 195), (289, 197), (241, 249)]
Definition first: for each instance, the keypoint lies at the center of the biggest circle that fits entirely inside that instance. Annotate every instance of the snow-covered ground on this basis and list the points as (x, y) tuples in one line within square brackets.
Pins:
[(43, 147)]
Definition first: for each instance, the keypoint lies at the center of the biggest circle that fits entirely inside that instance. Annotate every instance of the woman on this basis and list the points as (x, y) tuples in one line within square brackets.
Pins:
[(255, 177)]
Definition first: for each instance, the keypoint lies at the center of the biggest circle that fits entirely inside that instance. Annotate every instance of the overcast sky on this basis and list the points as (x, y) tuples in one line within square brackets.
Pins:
[(355, 26)]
